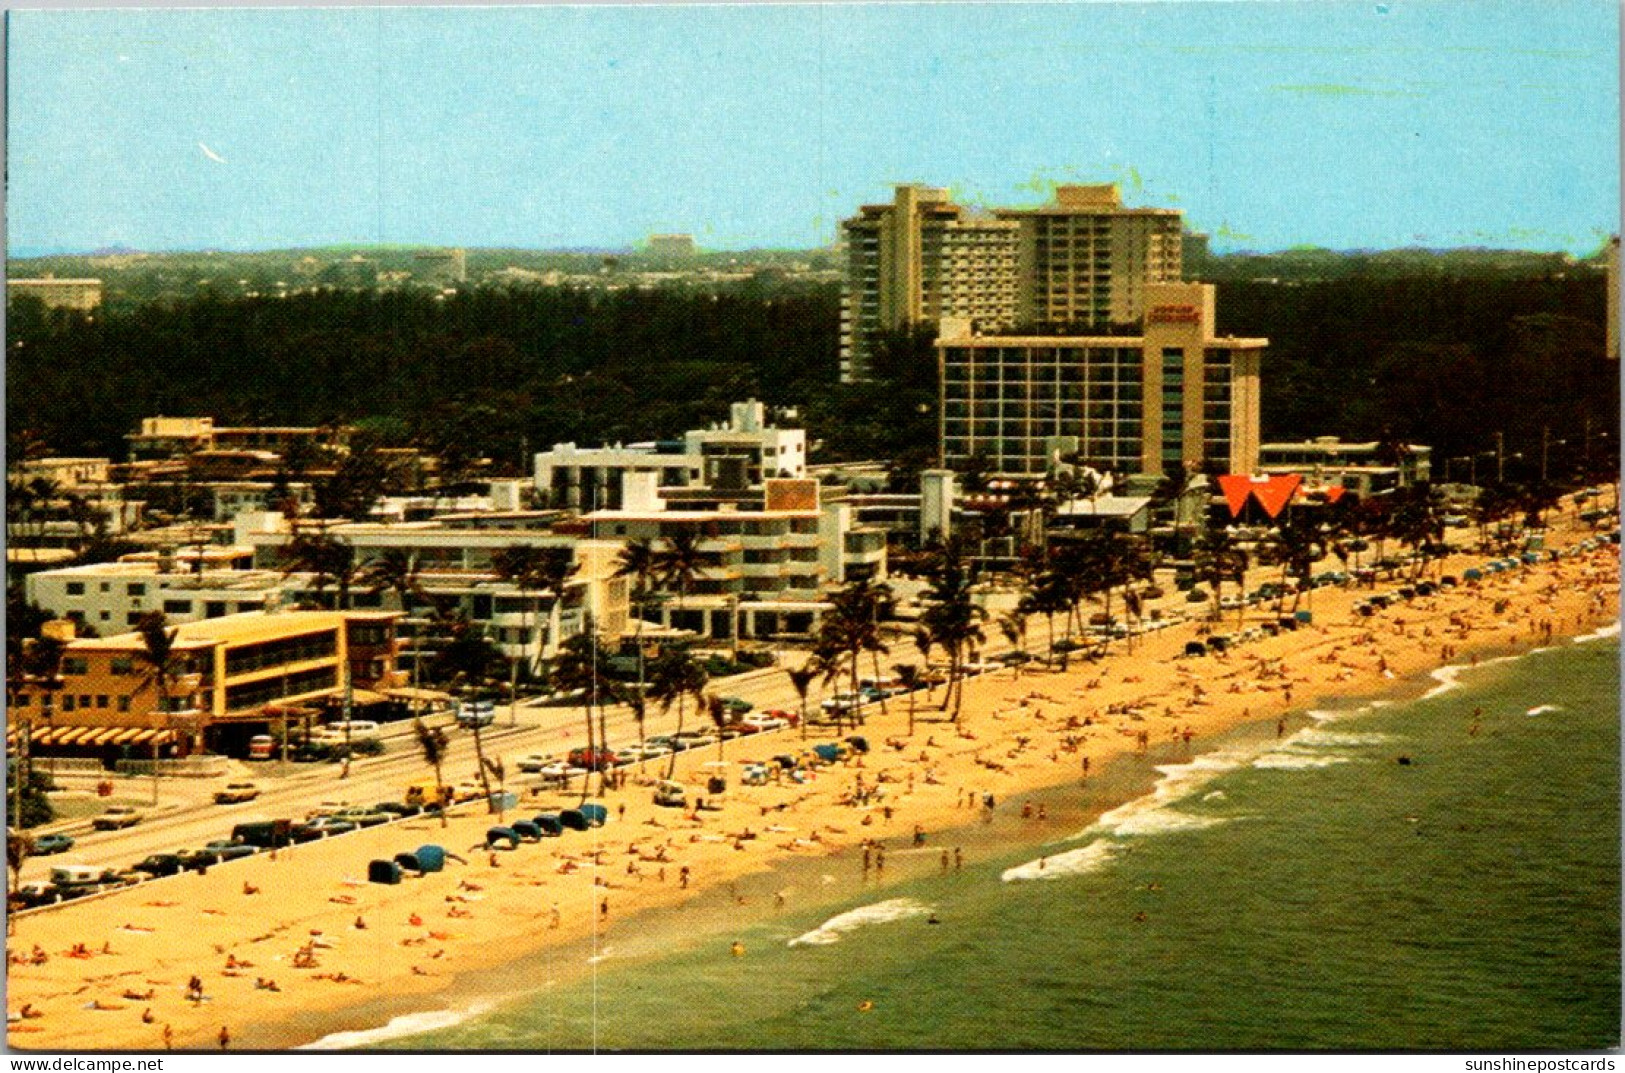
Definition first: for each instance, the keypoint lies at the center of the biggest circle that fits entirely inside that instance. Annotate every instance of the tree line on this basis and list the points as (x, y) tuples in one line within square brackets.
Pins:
[(502, 372)]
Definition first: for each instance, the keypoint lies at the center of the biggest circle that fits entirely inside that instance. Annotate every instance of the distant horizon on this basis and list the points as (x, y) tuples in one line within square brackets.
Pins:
[(1345, 124), (32, 255)]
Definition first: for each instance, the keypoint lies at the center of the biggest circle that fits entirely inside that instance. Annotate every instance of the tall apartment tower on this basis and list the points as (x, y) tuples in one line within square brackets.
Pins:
[(1085, 260), (916, 260)]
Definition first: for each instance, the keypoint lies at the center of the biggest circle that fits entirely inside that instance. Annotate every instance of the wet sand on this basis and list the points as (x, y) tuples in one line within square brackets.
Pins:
[(371, 952)]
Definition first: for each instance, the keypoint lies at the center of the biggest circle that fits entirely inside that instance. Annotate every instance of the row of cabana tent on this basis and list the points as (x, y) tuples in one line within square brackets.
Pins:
[(432, 858)]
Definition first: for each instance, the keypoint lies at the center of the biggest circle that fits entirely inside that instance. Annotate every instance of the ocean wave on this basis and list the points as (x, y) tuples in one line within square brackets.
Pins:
[(1075, 862), (1295, 761), (1610, 630), (1542, 709), (1326, 715), (1343, 739), (1449, 677), (884, 912), (409, 1024), (1151, 814)]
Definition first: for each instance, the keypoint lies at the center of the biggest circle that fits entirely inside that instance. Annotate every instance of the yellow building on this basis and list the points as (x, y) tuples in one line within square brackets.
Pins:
[(1086, 259), (81, 294), (226, 672), (916, 260), (1176, 392)]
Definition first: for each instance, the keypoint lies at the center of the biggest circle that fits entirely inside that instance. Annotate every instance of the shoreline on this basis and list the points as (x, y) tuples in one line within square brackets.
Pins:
[(501, 931), (371, 1028)]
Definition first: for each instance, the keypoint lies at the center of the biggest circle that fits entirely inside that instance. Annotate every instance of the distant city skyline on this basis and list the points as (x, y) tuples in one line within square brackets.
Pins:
[(1272, 125)]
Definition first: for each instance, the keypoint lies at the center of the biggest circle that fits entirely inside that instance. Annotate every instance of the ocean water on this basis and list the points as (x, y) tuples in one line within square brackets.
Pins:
[(1307, 893)]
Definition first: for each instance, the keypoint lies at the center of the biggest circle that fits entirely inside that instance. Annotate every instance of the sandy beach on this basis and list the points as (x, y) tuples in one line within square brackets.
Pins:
[(292, 947)]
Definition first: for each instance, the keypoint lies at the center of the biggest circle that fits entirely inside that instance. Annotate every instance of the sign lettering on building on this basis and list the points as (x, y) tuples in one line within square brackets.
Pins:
[(1174, 314)]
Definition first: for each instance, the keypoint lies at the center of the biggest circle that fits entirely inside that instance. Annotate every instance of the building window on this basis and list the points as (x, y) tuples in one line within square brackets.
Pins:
[(105, 615), (136, 588), (75, 665), (123, 665), (21, 700), (124, 704), (177, 607), (132, 617), (101, 700), (76, 588)]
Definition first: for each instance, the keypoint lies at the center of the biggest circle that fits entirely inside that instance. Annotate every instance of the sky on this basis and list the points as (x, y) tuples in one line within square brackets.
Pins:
[(1271, 124)]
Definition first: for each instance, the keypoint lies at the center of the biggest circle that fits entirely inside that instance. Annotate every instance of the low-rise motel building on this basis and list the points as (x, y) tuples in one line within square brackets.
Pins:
[(229, 679)]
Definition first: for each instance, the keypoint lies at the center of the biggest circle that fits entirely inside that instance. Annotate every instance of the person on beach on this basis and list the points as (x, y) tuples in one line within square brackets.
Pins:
[(959, 859), (225, 1038), (169, 1038)]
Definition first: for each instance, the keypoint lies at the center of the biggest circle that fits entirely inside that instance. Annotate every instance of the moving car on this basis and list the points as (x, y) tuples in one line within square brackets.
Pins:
[(116, 818), (534, 763), (236, 792), (362, 816), (45, 845), (159, 864), (765, 721)]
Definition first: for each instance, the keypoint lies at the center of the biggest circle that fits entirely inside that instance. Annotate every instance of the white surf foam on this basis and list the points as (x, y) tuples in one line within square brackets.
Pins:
[(409, 1024), (1543, 709), (884, 912), (1152, 813), (1074, 862), (1610, 630), (1291, 761), (1449, 677), (1341, 739)]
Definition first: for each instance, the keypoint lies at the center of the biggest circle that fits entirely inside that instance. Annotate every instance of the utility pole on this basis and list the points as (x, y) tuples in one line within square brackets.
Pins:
[(1545, 444), (1500, 459)]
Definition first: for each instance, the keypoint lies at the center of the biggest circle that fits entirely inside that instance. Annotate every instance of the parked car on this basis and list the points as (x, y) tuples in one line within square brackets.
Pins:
[(476, 713), (227, 850), (842, 702), (534, 763), (736, 706), (45, 845), (648, 750), (66, 877), (34, 895), (261, 747), (263, 834), (396, 808), (236, 792), (159, 864), (116, 818), (592, 759), (362, 816), (560, 769), (671, 795), (765, 721), (321, 827)]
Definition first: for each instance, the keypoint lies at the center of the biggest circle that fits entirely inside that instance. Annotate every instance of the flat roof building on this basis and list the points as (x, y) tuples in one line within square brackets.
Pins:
[(1125, 404), (80, 294)]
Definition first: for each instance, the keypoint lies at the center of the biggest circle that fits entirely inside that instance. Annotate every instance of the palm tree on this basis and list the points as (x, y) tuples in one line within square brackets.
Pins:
[(801, 680), (521, 565), (1294, 546), (396, 569), (1418, 521), (679, 564), (19, 847), (910, 676), (638, 560), (953, 617), (851, 627), (577, 668), (673, 678), (923, 645), (163, 667), (554, 569), (718, 711), (466, 659), (432, 741), (1013, 624), (330, 560), (1218, 559)]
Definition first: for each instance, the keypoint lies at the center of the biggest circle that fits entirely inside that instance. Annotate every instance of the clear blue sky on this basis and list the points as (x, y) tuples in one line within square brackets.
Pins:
[(1271, 124)]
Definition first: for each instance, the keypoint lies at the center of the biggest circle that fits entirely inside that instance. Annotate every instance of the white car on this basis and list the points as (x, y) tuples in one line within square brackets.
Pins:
[(649, 750), (117, 818), (560, 769), (534, 763), (763, 723)]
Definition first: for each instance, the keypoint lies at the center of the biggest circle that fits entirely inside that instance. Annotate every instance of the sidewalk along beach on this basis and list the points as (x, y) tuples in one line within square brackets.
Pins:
[(292, 950)]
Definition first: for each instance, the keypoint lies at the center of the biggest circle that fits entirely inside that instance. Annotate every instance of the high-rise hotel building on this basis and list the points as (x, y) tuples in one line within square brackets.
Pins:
[(1083, 260), (1176, 392), (917, 260)]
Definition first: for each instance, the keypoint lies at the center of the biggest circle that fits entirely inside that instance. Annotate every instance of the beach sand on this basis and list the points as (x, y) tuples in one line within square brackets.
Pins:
[(345, 954)]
